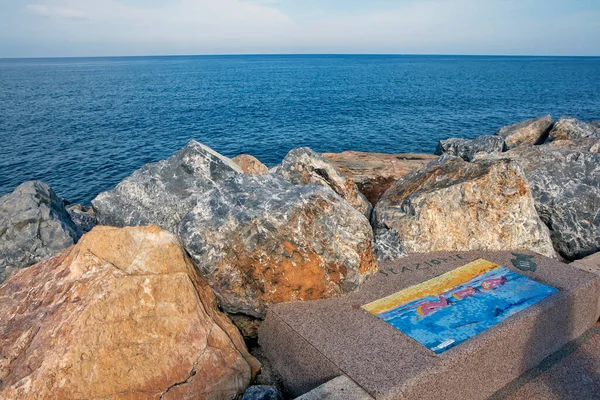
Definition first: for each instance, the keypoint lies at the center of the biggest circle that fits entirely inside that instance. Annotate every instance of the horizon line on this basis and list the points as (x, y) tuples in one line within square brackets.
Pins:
[(302, 54)]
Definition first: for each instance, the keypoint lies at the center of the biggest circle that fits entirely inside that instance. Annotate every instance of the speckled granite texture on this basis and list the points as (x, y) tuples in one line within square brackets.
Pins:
[(571, 373), (312, 342)]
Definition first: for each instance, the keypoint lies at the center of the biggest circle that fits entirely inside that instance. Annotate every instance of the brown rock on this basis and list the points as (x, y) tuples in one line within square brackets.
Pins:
[(530, 132), (589, 144), (374, 173), (121, 315), (250, 164), (568, 128), (453, 205)]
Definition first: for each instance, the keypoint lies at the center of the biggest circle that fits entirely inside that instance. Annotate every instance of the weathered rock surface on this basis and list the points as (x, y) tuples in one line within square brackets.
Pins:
[(589, 144), (302, 166), (250, 164), (162, 193), (568, 128), (453, 205), (467, 149), (262, 392), (34, 225), (121, 315), (259, 239), (374, 173), (83, 217), (566, 189), (532, 131)]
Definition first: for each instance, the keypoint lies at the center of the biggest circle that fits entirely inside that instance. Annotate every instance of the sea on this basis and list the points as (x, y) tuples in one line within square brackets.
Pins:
[(83, 124)]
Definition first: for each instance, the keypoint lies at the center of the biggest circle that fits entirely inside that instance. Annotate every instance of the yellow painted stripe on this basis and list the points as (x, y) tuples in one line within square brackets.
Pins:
[(432, 287)]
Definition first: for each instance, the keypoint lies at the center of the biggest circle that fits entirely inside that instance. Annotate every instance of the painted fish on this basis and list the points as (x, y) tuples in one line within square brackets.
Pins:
[(494, 282), (461, 294), (432, 306)]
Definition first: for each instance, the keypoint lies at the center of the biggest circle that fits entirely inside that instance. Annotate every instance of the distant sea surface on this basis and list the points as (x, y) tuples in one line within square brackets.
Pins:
[(83, 124)]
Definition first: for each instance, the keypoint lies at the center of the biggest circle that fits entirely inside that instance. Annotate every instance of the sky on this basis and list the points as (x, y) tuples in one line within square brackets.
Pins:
[(56, 28)]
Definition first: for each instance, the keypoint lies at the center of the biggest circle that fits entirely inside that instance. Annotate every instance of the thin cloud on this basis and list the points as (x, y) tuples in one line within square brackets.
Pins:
[(44, 10), (128, 27)]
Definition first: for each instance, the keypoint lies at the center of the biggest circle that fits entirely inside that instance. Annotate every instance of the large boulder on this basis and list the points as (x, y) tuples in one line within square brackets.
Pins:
[(374, 173), (121, 315), (34, 225), (467, 149), (568, 128), (302, 166), (589, 144), (162, 193), (250, 164), (566, 189), (530, 132), (453, 205), (259, 239)]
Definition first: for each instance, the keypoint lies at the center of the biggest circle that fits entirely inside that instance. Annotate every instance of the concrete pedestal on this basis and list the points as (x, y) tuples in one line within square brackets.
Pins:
[(310, 343)]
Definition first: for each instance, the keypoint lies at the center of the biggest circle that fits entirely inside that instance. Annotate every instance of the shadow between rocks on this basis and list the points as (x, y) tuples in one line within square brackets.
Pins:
[(572, 372)]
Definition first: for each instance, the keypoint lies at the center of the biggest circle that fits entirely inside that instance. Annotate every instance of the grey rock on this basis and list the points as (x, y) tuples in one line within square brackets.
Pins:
[(302, 166), (566, 188), (262, 392), (453, 205), (83, 217), (258, 240), (34, 225), (530, 132), (568, 128), (467, 149), (162, 193), (388, 244)]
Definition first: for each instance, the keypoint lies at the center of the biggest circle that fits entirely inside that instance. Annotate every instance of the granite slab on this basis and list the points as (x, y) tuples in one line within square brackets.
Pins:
[(310, 343)]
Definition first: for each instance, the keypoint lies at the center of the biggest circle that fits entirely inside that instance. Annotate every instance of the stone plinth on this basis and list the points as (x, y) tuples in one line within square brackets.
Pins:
[(310, 343)]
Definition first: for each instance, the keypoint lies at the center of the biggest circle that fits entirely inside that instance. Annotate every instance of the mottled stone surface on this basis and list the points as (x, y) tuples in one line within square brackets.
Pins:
[(83, 217), (374, 173), (566, 189), (250, 164), (311, 343), (162, 193), (340, 388), (262, 392), (467, 149), (34, 225), (589, 144), (303, 166), (453, 205), (568, 128), (121, 315), (259, 239), (532, 131)]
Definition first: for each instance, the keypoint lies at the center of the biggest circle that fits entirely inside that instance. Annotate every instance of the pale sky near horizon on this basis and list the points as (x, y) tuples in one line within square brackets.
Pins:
[(53, 28)]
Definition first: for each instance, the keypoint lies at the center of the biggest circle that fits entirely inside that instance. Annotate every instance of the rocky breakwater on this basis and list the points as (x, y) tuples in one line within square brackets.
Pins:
[(454, 205), (299, 233), (122, 315), (561, 165), (374, 173)]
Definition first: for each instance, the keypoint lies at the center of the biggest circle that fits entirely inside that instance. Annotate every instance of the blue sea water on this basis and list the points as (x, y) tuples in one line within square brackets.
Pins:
[(83, 124), (466, 317)]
